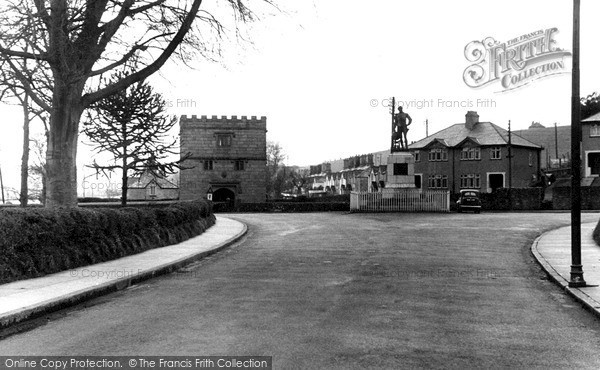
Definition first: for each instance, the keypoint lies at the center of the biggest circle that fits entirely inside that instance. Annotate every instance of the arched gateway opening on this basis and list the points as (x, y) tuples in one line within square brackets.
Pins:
[(223, 195)]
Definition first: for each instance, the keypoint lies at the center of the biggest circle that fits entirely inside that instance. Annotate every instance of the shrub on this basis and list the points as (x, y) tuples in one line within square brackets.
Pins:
[(39, 241), (596, 234)]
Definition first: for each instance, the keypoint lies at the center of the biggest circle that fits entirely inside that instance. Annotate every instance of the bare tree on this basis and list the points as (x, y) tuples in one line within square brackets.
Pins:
[(132, 126), (12, 90), (590, 105), (37, 169), (298, 179), (275, 169), (78, 41)]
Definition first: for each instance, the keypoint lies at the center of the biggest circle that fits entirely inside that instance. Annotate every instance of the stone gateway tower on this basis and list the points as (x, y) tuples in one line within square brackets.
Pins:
[(228, 158)]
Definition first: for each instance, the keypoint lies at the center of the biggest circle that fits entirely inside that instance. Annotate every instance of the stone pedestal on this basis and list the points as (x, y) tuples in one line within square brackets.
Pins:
[(400, 171)]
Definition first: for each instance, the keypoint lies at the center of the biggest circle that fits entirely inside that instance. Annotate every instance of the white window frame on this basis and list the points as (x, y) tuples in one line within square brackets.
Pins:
[(496, 153), (436, 182), (438, 155), (470, 181), (470, 154)]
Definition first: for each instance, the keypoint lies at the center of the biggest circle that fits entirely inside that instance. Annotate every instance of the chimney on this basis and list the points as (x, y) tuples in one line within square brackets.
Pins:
[(471, 119)]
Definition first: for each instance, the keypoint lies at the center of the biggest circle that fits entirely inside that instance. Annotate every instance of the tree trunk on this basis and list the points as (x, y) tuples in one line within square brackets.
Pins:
[(124, 184), (61, 185), (124, 175), (24, 196), (1, 186)]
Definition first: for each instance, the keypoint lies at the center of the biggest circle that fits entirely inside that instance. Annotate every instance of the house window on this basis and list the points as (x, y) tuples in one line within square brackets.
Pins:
[(417, 155), (152, 189), (496, 153), (208, 165), (223, 140), (470, 181), (530, 159), (438, 155), (239, 165), (438, 182), (595, 130), (470, 154)]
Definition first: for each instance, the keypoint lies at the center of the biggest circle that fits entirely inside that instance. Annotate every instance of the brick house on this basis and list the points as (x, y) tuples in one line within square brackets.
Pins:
[(228, 158), (474, 154), (590, 145), (554, 140)]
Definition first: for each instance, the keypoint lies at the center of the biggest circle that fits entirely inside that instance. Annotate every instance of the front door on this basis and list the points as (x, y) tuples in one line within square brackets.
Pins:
[(495, 181), (594, 163), (418, 180)]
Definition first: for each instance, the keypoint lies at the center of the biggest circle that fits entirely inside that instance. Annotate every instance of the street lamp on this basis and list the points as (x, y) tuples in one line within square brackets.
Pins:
[(209, 193), (576, 267)]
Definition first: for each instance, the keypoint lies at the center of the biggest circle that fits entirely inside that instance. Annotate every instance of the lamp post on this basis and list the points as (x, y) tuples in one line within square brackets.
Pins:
[(576, 267)]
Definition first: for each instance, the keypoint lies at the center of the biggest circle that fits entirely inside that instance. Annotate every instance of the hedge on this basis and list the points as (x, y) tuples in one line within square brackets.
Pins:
[(596, 234), (503, 199), (283, 207), (39, 241)]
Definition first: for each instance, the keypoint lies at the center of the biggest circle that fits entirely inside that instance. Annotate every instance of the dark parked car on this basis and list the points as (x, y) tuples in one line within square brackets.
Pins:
[(469, 201)]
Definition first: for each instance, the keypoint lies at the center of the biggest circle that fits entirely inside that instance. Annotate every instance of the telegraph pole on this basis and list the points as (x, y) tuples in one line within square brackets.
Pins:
[(392, 148), (576, 267), (426, 128), (509, 158), (556, 144)]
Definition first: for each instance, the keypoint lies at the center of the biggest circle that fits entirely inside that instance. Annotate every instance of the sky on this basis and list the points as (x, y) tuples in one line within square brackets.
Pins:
[(322, 71)]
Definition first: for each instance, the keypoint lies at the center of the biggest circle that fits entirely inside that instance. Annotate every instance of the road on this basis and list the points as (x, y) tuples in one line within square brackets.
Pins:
[(347, 291)]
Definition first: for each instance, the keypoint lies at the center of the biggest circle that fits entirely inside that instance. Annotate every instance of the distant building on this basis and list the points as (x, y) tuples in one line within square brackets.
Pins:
[(228, 158), (474, 154), (151, 187), (549, 138), (590, 145), (357, 173)]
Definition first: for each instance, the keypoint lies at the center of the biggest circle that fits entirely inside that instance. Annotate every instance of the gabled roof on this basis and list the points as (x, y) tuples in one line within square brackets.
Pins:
[(436, 140), (141, 182), (594, 118), (484, 133), (471, 139)]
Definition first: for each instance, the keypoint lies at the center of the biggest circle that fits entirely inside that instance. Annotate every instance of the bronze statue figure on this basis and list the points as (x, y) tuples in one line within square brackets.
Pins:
[(400, 130)]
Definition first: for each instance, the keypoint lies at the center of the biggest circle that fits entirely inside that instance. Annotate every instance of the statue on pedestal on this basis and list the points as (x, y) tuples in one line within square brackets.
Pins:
[(400, 130)]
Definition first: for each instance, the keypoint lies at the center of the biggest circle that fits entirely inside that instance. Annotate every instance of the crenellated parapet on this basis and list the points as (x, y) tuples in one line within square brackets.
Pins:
[(233, 121)]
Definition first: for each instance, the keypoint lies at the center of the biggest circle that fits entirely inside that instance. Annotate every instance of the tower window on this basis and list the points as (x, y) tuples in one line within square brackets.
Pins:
[(224, 140), (239, 165)]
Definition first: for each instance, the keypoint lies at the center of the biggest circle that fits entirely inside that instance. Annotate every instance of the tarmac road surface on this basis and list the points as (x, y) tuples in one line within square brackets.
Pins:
[(346, 291)]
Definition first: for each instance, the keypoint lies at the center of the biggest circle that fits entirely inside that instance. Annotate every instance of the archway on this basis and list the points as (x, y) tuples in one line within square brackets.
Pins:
[(223, 195)]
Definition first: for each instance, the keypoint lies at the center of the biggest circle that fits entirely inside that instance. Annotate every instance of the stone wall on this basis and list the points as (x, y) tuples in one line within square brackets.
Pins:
[(245, 146)]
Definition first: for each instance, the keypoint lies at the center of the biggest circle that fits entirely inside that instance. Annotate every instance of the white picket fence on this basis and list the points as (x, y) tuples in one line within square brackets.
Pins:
[(397, 200)]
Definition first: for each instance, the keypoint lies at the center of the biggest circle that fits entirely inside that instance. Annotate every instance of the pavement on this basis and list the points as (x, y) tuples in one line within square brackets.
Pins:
[(553, 251), (24, 299)]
